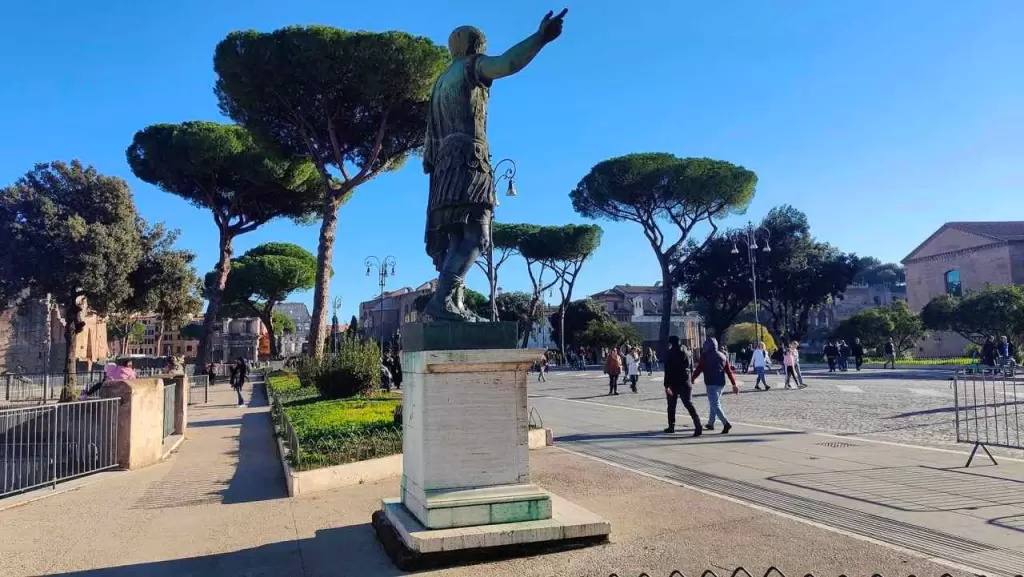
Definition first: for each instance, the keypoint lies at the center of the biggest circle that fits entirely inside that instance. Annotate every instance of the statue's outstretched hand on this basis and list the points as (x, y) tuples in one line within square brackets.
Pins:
[(551, 26)]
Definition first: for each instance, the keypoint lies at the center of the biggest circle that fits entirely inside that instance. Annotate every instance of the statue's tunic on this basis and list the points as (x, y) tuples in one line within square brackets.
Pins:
[(456, 154)]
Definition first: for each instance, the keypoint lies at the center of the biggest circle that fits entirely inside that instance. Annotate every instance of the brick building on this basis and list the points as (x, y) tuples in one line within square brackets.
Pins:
[(641, 305), (398, 308), (958, 257), (32, 338)]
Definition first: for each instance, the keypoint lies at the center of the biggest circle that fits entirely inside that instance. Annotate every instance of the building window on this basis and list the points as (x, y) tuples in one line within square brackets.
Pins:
[(953, 286), (188, 348)]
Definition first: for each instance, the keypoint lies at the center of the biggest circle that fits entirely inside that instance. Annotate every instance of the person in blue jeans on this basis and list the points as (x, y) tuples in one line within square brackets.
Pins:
[(760, 360), (715, 367)]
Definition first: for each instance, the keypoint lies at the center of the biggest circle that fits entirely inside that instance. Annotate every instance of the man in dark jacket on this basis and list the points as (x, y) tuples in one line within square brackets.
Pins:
[(858, 353), (677, 385)]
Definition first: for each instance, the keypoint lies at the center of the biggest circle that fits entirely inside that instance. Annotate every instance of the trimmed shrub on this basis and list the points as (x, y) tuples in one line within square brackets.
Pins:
[(353, 370)]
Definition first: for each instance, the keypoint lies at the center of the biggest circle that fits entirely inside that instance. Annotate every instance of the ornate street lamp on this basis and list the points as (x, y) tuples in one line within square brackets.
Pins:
[(749, 236), (385, 268), (510, 176)]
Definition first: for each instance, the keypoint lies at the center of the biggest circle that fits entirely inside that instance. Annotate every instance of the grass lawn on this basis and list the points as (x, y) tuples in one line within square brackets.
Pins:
[(335, 431)]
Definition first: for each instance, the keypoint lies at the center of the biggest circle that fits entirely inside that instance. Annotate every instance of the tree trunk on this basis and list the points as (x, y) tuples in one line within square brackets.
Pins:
[(268, 320), (215, 296), (561, 327), (534, 303), (668, 295), (324, 255), (70, 391)]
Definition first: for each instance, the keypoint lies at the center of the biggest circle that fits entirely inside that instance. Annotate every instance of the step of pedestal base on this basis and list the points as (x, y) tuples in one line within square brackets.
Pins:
[(412, 546)]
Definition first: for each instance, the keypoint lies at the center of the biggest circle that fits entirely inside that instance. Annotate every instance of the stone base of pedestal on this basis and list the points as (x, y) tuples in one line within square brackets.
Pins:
[(447, 508), (412, 546)]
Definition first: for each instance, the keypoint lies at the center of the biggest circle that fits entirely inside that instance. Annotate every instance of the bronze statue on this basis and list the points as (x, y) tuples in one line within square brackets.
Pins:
[(458, 159)]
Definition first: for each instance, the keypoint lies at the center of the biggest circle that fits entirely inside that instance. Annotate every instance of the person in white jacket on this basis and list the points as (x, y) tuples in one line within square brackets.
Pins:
[(761, 362), (633, 367)]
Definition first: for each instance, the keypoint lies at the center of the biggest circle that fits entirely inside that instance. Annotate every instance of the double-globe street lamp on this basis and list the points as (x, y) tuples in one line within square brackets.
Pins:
[(510, 176), (749, 236), (385, 268)]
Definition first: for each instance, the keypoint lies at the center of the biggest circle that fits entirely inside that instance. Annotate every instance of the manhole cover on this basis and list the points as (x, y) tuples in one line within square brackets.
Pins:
[(836, 444)]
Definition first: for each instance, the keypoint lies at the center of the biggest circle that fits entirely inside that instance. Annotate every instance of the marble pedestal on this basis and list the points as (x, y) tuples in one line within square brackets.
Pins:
[(465, 447), (465, 489)]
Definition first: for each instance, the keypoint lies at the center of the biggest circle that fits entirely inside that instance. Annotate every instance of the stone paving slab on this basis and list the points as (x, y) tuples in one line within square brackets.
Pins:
[(926, 488)]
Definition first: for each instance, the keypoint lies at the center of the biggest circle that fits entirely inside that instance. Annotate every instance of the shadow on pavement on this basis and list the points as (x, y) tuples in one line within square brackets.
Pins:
[(351, 550), (682, 433), (215, 423), (258, 475)]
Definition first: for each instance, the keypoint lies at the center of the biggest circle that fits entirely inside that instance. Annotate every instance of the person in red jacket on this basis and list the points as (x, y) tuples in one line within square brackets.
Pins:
[(715, 367)]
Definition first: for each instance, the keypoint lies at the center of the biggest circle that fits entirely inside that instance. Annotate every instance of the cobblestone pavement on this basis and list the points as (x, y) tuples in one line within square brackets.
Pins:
[(903, 406)]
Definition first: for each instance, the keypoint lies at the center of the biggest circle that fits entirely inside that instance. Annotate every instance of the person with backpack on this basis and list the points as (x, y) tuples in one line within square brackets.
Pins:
[(714, 365), (677, 385)]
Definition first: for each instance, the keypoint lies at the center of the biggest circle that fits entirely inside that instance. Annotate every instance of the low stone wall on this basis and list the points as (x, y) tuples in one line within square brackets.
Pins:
[(349, 474)]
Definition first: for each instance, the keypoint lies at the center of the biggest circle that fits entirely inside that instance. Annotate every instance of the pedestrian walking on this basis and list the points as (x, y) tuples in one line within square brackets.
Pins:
[(211, 373), (831, 354), (844, 356), (890, 354), (613, 368), (857, 350), (677, 385), (714, 365), (542, 369), (791, 360), (761, 362), (633, 368), (239, 374)]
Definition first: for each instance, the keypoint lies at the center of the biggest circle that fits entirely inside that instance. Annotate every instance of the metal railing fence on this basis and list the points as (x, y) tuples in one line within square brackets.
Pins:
[(46, 444), (199, 389), (170, 392), (987, 411), (284, 429), (45, 387)]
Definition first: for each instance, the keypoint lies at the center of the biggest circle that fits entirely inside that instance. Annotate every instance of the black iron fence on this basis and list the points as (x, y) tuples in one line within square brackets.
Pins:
[(43, 445), (199, 389), (988, 407), (770, 572), (46, 387)]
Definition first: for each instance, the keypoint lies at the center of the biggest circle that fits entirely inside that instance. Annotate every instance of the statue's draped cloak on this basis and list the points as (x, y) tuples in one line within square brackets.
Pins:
[(456, 154)]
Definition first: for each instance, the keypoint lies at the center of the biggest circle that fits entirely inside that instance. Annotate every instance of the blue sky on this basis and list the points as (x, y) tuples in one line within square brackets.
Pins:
[(881, 120)]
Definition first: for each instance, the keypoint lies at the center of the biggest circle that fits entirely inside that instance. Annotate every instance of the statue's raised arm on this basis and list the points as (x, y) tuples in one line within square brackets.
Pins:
[(514, 59)]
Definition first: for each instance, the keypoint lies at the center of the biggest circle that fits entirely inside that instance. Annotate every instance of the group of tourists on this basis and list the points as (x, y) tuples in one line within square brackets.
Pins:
[(713, 362), (837, 353), (580, 357), (625, 364)]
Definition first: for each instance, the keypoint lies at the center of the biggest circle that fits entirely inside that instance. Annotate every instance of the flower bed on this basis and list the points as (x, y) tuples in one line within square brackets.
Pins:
[(321, 433)]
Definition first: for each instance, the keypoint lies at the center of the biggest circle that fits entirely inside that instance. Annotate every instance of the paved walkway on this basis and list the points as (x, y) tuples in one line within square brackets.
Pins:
[(218, 508), (920, 499)]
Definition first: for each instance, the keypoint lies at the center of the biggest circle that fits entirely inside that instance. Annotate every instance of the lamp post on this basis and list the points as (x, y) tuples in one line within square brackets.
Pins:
[(385, 268), (748, 236), (510, 176), (336, 305)]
